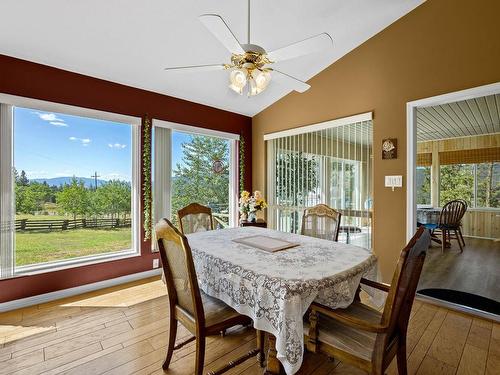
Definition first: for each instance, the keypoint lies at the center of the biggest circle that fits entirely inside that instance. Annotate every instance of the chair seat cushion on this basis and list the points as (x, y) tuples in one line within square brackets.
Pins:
[(351, 340), (216, 311)]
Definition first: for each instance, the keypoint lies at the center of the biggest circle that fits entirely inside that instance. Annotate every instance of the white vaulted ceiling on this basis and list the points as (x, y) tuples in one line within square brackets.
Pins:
[(131, 41)]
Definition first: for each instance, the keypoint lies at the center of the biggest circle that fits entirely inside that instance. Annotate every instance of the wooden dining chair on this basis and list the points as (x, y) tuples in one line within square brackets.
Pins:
[(362, 336), (450, 221), (321, 221), (461, 223), (201, 314), (195, 218)]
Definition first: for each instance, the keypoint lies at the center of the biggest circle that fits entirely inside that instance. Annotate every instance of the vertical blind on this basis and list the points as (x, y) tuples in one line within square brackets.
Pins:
[(330, 165), (6, 193)]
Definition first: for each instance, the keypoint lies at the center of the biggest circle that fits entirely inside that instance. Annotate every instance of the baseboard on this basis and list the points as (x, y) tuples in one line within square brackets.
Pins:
[(460, 308), (52, 296)]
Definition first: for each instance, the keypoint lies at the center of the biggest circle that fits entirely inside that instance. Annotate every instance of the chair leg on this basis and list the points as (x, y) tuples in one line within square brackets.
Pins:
[(443, 242), (200, 355), (459, 241), (171, 341), (461, 236), (401, 358)]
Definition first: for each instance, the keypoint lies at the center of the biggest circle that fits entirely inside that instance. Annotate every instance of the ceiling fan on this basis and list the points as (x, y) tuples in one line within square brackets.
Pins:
[(250, 64)]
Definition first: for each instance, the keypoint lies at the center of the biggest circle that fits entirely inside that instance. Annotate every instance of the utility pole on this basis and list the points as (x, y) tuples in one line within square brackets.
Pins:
[(94, 176)]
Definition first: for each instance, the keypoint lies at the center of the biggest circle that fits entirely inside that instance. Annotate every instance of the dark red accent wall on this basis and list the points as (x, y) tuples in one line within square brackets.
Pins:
[(31, 80)]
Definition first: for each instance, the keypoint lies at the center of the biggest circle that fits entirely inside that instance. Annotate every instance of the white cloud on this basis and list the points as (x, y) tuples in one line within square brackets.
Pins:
[(58, 123), (84, 141), (48, 117), (116, 145), (52, 119)]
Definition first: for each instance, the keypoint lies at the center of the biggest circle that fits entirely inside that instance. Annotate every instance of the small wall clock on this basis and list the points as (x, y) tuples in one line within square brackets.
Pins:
[(390, 148), (218, 166)]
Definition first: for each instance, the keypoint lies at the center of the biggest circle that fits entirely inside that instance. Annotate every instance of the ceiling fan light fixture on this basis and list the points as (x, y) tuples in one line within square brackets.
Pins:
[(238, 80), (262, 79)]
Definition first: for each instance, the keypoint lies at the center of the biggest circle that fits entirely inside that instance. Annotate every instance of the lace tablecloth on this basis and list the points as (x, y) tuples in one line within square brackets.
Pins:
[(276, 289)]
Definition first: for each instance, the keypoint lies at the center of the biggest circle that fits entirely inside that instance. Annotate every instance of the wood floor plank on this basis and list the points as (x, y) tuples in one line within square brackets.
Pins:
[(473, 361), (124, 330), (432, 366)]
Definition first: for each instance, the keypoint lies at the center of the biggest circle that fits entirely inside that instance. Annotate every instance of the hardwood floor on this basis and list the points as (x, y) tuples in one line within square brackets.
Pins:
[(475, 271), (123, 330)]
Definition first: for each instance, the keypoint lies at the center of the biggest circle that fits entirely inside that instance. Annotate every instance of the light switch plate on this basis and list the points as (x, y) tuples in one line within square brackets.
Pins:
[(393, 181), (156, 263)]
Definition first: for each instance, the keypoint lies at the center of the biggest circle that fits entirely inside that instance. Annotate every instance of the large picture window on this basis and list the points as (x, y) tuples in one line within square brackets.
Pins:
[(477, 184), (72, 188), (195, 165)]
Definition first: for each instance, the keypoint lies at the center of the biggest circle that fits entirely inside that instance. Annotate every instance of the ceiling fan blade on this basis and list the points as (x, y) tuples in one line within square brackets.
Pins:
[(216, 25), (199, 68), (291, 82), (310, 45)]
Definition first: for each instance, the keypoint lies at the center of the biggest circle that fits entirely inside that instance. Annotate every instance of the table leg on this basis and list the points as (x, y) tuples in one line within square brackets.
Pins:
[(261, 357), (273, 364)]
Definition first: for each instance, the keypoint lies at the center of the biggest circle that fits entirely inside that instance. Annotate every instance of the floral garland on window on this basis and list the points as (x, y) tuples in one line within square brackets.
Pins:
[(146, 184), (242, 163)]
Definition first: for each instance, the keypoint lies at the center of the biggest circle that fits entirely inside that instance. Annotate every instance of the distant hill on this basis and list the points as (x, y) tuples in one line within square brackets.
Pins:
[(59, 181)]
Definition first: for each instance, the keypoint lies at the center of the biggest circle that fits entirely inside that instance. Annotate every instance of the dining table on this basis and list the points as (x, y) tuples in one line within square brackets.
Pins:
[(275, 289)]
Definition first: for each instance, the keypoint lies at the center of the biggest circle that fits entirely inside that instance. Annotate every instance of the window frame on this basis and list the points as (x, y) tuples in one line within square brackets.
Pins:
[(12, 101), (233, 170), (473, 206)]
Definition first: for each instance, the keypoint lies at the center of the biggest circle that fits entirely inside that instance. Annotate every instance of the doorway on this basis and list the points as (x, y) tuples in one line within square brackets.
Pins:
[(454, 164)]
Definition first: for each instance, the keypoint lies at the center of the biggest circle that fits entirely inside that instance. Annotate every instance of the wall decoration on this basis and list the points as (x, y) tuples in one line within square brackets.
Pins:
[(242, 162), (146, 185), (390, 148), (218, 166)]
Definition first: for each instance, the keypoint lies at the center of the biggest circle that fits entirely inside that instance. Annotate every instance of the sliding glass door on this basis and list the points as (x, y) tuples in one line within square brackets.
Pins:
[(328, 163)]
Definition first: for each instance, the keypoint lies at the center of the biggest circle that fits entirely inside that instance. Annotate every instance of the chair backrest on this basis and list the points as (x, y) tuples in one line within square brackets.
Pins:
[(195, 218), (178, 267), (321, 221), (404, 284), (452, 213)]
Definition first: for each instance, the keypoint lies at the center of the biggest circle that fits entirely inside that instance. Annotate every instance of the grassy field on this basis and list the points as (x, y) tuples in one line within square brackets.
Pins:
[(33, 248)]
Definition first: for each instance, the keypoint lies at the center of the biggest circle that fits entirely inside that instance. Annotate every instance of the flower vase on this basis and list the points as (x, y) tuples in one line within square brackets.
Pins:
[(260, 215), (251, 217), (243, 216)]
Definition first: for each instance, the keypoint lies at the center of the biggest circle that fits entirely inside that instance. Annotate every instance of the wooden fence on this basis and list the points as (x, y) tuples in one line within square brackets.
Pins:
[(62, 224)]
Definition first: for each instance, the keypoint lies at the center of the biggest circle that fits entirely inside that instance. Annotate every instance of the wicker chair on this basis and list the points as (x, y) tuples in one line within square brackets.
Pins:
[(362, 336), (201, 314), (321, 221), (195, 218)]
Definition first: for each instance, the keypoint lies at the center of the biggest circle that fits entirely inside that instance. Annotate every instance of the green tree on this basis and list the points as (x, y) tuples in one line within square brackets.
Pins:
[(112, 198), (423, 185), (23, 179), (488, 185), (295, 191), (32, 197), (194, 179), (74, 199), (457, 182)]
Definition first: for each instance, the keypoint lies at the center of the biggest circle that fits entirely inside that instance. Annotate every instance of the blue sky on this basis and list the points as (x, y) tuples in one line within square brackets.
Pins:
[(48, 145)]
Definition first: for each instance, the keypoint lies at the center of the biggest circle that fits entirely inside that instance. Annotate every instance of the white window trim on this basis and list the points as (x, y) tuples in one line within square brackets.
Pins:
[(135, 122), (195, 130), (367, 116)]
